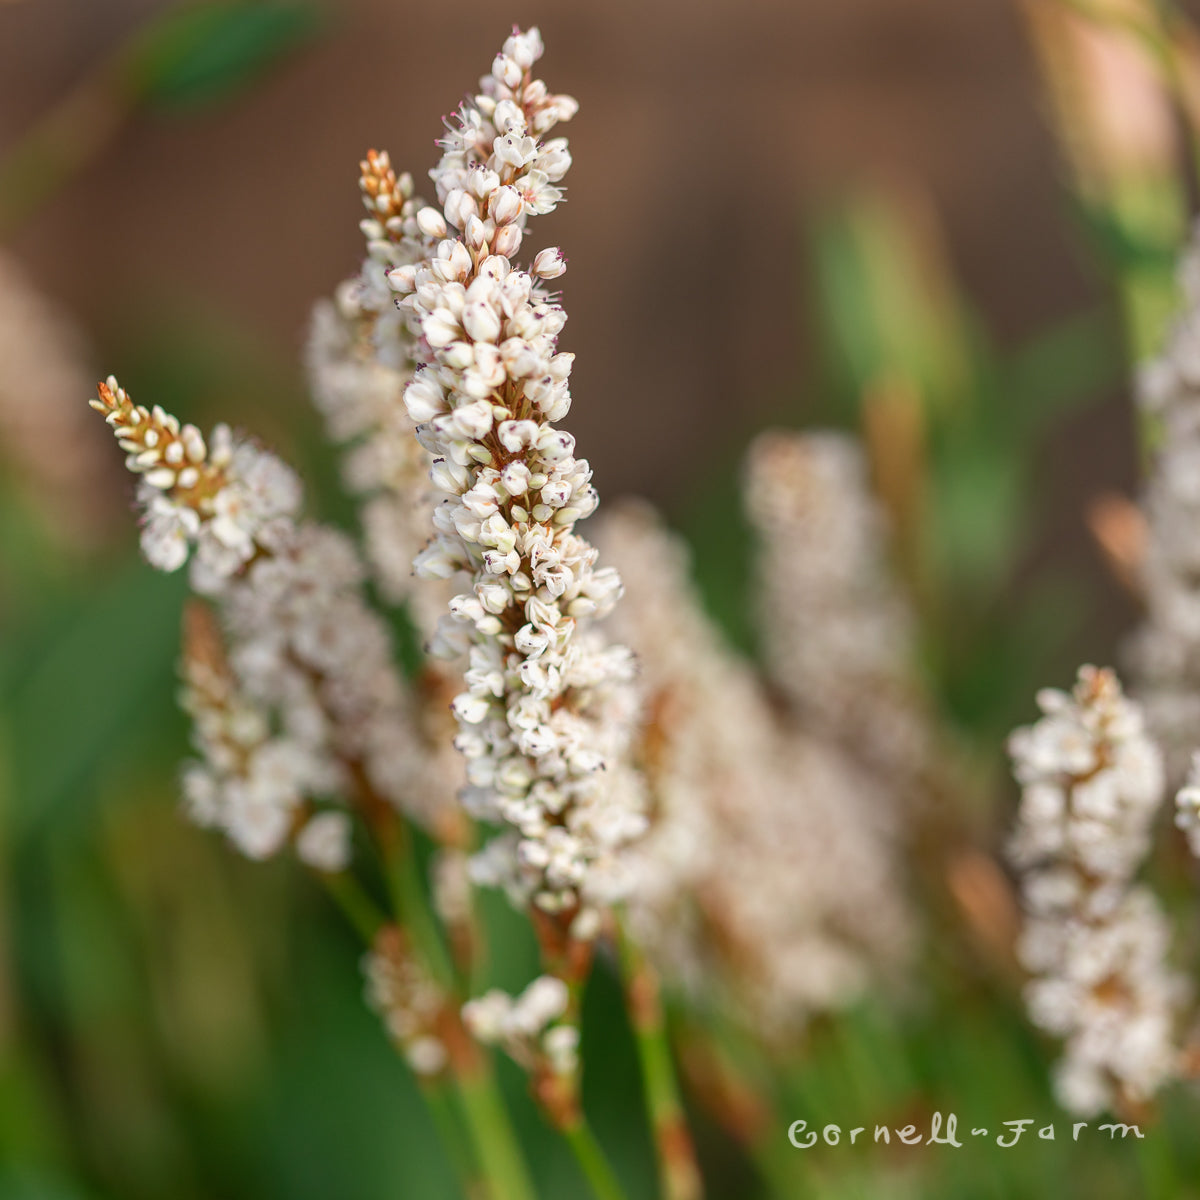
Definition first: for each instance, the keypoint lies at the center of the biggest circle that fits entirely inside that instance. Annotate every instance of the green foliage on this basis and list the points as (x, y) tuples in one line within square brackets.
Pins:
[(206, 51), (894, 319)]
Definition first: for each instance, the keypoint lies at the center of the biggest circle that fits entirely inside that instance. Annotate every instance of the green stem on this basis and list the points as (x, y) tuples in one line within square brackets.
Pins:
[(592, 1161), (359, 909), (409, 901), (439, 1100), (482, 1106), (487, 1129), (678, 1174), (492, 1135), (1158, 1170)]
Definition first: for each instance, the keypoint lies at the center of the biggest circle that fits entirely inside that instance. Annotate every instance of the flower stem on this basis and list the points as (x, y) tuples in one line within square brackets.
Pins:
[(492, 1134), (408, 897), (678, 1173), (592, 1161), (488, 1137), (482, 1106), (359, 909), (439, 1100)]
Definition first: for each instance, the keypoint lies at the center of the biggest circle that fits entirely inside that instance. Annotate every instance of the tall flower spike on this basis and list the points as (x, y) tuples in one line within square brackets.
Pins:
[(1165, 652), (546, 717), (360, 394), (252, 782), (1094, 942), (768, 876), (360, 359), (310, 687), (838, 635)]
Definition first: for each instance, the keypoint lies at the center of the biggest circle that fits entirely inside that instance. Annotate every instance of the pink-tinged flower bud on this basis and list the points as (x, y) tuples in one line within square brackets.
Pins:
[(507, 240), (535, 93), (506, 71), (439, 329), (481, 322), (508, 117), (515, 436), (475, 234), (460, 260), (460, 207), (549, 263), (524, 48), (458, 355), (565, 107), (403, 279), (504, 205), (431, 222), (423, 399), (474, 419)]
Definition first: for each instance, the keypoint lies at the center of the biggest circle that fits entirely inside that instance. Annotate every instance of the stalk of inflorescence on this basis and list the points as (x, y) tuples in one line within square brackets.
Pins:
[(461, 1149), (479, 1103), (592, 1162), (464, 1101), (678, 1172)]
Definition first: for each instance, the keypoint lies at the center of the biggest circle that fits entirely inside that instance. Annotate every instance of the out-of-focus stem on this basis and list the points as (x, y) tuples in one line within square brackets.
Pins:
[(736, 1097), (492, 1134), (592, 1161), (359, 909), (477, 1129), (678, 1173), (366, 919), (408, 897), (439, 1099), (482, 1106)]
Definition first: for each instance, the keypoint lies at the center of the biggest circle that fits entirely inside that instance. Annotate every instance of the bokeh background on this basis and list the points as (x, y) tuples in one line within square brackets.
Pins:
[(780, 213)]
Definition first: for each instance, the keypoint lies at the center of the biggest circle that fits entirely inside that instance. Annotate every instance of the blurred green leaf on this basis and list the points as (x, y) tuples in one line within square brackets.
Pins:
[(95, 687), (1060, 369), (17, 1183), (203, 52)]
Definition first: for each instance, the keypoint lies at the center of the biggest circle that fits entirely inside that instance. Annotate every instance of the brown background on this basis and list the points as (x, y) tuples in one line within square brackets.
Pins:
[(707, 128)]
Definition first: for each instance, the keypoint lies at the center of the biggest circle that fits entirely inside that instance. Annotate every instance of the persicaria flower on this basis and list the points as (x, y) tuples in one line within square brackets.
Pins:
[(545, 719), (1095, 943)]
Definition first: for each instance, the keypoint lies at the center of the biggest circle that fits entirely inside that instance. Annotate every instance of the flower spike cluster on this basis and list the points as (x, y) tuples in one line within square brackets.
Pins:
[(251, 781), (414, 1007), (768, 877), (839, 635), (1094, 942), (529, 1027), (360, 397), (222, 498), (546, 717), (308, 706), (1165, 651)]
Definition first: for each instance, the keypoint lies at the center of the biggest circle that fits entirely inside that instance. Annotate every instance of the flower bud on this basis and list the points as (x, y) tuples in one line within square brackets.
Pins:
[(431, 222), (504, 205), (549, 263), (507, 240)]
